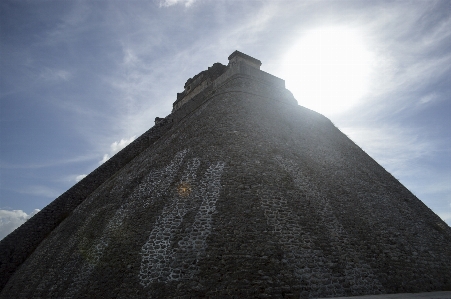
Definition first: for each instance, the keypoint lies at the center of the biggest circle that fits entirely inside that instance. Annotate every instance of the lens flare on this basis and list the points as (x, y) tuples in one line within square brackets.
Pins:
[(184, 189)]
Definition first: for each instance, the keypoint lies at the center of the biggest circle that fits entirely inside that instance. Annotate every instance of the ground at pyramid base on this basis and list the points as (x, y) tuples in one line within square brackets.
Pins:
[(238, 193)]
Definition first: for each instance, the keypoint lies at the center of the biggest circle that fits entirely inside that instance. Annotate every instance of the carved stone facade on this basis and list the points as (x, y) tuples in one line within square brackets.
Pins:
[(238, 193), (239, 63)]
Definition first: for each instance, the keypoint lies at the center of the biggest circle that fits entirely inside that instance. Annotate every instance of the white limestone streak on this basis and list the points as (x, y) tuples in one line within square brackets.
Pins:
[(157, 253), (156, 183), (193, 244), (359, 274), (161, 259)]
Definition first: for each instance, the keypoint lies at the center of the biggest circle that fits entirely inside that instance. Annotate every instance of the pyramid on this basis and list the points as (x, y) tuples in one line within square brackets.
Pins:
[(238, 193)]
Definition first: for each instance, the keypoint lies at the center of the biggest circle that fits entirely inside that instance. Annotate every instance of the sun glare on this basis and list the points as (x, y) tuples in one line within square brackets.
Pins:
[(328, 69)]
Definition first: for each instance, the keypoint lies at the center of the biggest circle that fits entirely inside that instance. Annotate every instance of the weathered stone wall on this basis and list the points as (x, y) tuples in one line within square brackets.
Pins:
[(18, 245), (246, 196), (238, 56), (242, 68), (194, 92), (239, 64), (198, 83)]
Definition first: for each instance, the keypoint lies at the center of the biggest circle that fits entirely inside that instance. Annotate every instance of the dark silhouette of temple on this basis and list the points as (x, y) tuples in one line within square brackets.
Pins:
[(238, 193)]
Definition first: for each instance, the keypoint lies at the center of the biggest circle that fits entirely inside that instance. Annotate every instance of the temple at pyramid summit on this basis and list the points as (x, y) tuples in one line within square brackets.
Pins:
[(238, 193)]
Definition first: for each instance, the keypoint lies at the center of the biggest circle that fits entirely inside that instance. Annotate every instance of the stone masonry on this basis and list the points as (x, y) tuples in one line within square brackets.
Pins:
[(238, 193)]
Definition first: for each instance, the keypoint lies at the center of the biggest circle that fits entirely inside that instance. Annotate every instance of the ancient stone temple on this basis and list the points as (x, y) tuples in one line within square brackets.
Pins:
[(238, 193)]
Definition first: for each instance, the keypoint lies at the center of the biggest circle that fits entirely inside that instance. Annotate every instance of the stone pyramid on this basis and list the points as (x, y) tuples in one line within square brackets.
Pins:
[(238, 193)]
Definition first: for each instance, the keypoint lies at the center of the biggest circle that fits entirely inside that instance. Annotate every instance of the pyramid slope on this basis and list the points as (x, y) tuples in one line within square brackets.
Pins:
[(245, 194)]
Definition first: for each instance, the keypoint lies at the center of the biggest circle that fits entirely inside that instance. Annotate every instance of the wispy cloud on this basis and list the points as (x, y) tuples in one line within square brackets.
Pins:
[(55, 75), (439, 185), (166, 3), (393, 146), (12, 219), (428, 98), (142, 71), (59, 162), (410, 55), (38, 190), (69, 25)]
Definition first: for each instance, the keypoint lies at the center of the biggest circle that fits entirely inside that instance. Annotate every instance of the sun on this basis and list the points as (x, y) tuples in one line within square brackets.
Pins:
[(328, 69)]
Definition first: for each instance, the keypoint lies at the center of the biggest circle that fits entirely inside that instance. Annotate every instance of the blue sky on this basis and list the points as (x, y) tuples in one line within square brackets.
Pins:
[(81, 79)]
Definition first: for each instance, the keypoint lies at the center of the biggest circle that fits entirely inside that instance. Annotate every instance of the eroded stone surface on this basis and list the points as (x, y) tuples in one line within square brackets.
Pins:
[(243, 195)]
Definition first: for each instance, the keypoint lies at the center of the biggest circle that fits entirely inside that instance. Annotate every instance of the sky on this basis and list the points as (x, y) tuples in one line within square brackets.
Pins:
[(79, 80)]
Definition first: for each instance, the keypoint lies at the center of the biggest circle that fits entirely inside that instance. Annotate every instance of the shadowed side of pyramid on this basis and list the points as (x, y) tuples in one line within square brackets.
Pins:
[(242, 193)]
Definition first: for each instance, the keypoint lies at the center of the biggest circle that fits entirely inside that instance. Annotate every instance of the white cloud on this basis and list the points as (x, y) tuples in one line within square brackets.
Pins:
[(80, 177), (116, 147), (12, 219), (167, 3), (105, 158)]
